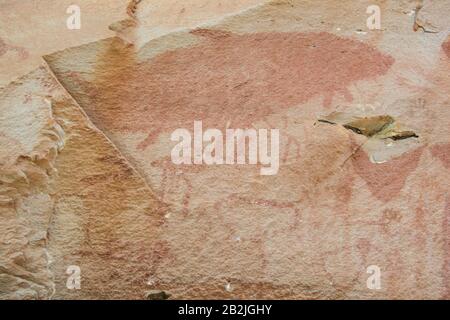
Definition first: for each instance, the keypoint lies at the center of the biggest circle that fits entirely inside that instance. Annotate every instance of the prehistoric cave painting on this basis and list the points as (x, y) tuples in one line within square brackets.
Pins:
[(386, 180), (226, 78), (442, 152)]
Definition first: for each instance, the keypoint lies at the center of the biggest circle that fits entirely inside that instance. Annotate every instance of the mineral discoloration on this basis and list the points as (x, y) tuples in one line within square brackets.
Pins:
[(442, 152), (446, 47)]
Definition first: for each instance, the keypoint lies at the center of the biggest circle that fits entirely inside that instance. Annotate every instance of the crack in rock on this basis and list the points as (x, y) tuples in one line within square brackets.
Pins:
[(157, 295)]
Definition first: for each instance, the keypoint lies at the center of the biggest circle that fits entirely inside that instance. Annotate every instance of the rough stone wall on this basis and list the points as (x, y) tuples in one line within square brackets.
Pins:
[(69, 198), (87, 178)]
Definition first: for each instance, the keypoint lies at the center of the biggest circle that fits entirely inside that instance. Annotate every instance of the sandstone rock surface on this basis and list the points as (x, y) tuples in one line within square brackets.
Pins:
[(87, 179)]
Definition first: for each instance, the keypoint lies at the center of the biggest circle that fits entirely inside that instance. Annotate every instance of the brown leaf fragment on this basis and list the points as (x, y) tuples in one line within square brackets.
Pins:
[(370, 126)]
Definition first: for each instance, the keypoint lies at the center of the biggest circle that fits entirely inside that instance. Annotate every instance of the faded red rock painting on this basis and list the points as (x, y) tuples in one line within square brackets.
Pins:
[(446, 47), (227, 77), (90, 180), (386, 180), (442, 152)]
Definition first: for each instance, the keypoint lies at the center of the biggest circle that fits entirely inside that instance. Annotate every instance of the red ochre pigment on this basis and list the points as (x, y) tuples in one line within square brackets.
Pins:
[(386, 180), (442, 152), (228, 77), (446, 47)]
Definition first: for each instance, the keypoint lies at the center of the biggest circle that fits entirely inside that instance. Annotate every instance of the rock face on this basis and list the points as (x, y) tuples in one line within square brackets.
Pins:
[(87, 180), (149, 19), (30, 29), (68, 198)]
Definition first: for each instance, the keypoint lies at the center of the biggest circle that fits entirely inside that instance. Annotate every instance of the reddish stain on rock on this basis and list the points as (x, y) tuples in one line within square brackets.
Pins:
[(4, 48), (446, 47), (226, 77), (386, 180), (442, 152)]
